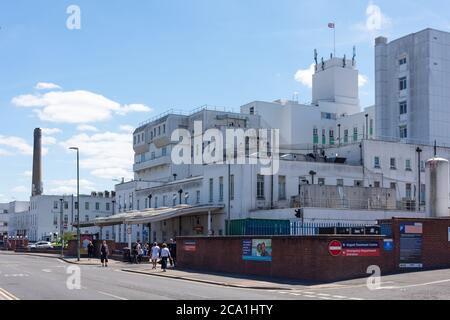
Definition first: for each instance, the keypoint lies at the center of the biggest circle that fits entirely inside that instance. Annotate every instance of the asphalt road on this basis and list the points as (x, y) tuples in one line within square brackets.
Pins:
[(28, 277)]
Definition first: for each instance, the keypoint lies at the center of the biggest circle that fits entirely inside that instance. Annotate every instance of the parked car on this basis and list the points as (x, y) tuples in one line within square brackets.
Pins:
[(41, 245)]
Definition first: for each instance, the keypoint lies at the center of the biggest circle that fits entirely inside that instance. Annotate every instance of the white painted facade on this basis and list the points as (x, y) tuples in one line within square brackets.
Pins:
[(412, 76), (42, 220), (8, 211)]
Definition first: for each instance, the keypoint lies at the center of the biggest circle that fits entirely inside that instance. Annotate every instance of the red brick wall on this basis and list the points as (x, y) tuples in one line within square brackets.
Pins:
[(302, 258), (307, 258)]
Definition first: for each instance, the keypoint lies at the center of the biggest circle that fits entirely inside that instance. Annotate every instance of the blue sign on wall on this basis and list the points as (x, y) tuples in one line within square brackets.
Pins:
[(388, 245)]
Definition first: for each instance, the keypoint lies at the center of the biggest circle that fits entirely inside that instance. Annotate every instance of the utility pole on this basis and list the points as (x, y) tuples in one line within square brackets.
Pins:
[(61, 226), (78, 200)]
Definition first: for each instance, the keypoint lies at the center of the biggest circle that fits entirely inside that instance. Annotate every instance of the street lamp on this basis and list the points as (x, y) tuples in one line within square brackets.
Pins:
[(78, 199), (61, 226), (312, 173), (419, 151)]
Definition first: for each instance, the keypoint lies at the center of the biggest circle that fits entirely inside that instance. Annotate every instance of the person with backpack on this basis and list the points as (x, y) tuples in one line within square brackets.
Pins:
[(165, 255), (104, 253), (155, 251)]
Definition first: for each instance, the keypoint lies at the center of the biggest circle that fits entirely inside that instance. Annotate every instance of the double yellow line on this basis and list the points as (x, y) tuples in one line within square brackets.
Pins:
[(6, 295)]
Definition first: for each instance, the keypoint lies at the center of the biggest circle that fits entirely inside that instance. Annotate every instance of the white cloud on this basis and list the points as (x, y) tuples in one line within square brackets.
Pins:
[(75, 106), (133, 108), (304, 76), (20, 189), (46, 86), (5, 153), (107, 155), (127, 128), (27, 173), (51, 131), (16, 143), (86, 127), (362, 80), (48, 140), (70, 186)]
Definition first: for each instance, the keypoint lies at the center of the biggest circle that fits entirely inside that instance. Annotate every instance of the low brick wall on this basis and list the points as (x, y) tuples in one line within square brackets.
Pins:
[(309, 259)]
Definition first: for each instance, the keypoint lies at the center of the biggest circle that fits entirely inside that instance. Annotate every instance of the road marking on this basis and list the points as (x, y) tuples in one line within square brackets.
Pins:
[(340, 297), (414, 285), (324, 294), (325, 298), (111, 295), (7, 295), (296, 294), (47, 270), (356, 299), (309, 296), (307, 292)]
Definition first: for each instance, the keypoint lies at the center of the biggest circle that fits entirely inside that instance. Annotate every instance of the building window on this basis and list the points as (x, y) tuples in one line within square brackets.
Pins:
[(393, 164), (340, 182), (408, 191), (211, 190), (220, 189), (134, 140), (164, 151), (107, 235), (156, 202), (315, 136), (66, 219), (260, 187), (403, 83), (232, 187), (376, 184), (86, 205), (97, 206), (86, 218), (371, 127), (321, 181), (393, 185), (153, 155), (281, 187), (137, 204), (408, 165), (355, 134), (164, 128), (55, 204), (403, 107), (346, 136), (376, 163), (422, 165), (252, 110), (174, 200), (66, 205), (55, 219), (331, 137), (403, 132), (197, 196), (107, 206), (402, 61), (164, 203), (324, 136)]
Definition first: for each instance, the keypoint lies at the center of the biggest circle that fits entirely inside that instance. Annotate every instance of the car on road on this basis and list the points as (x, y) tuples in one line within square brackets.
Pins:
[(40, 245)]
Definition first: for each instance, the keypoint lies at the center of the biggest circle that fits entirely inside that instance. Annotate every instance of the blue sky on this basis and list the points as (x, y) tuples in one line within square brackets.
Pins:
[(134, 59)]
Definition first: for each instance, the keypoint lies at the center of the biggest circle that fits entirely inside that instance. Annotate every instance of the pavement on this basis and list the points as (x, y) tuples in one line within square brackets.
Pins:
[(36, 277)]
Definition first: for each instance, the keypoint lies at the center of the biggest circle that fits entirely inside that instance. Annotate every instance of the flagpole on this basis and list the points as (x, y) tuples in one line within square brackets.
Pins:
[(334, 40)]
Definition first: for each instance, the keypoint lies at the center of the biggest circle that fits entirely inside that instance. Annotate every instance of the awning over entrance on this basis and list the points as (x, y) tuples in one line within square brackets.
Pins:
[(150, 215)]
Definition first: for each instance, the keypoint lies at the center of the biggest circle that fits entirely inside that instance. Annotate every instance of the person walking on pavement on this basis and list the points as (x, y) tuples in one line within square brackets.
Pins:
[(165, 255), (140, 251), (104, 253), (155, 254), (90, 250), (173, 252)]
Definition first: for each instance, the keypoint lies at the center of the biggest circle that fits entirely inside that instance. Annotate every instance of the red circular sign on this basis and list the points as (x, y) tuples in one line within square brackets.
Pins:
[(335, 248)]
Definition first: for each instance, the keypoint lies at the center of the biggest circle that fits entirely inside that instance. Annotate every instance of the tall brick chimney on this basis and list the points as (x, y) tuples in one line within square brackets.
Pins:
[(36, 187)]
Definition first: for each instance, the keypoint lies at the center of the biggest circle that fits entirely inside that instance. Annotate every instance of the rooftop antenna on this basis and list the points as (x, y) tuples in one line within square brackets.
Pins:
[(344, 62), (354, 56), (315, 57), (435, 148)]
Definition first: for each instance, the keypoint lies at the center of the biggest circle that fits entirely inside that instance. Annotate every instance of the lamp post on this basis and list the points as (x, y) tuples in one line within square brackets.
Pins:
[(78, 199), (367, 127), (312, 173), (418, 150), (180, 192), (61, 226)]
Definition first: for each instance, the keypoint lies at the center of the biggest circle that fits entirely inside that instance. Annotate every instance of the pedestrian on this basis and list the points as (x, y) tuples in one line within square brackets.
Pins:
[(139, 251), (165, 254), (145, 248), (90, 250), (155, 254), (104, 253), (173, 252)]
